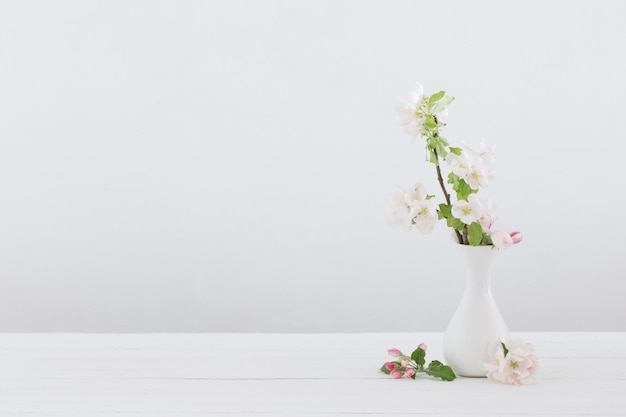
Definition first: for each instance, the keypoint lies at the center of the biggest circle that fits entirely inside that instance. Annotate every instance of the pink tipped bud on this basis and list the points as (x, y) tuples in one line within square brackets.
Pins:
[(409, 372), (516, 236), (423, 347), (394, 352), (405, 362), (396, 374), (390, 366)]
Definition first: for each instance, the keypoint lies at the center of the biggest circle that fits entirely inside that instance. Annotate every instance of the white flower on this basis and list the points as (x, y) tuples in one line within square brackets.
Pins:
[(488, 219), (411, 115), (515, 366), (468, 211), (424, 215), (460, 164), (483, 154), (412, 208), (501, 239), (417, 193), (400, 211), (476, 176)]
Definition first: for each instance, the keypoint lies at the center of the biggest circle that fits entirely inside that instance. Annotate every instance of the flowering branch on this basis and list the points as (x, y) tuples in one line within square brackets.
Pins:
[(473, 221), (409, 366)]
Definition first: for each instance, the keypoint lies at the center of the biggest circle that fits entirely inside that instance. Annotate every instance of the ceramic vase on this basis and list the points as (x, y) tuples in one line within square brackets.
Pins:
[(477, 323)]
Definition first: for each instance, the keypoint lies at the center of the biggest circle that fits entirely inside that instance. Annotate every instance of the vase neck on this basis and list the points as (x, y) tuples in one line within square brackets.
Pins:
[(478, 261)]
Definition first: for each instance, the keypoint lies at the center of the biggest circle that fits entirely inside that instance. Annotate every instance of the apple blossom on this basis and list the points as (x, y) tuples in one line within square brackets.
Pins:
[(488, 219), (394, 352), (417, 193), (400, 211), (516, 236), (411, 115), (483, 154), (476, 176), (467, 211), (511, 362), (460, 164), (396, 374), (424, 215), (409, 366), (501, 239)]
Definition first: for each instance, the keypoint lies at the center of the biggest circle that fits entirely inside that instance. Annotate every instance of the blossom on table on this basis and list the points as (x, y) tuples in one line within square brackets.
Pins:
[(394, 352), (411, 365), (511, 362)]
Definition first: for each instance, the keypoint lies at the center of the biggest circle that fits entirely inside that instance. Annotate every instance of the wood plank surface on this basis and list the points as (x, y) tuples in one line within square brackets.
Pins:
[(581, 374)]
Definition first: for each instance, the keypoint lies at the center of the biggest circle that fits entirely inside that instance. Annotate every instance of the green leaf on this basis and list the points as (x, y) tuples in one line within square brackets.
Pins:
[(429, 122), (435, 98), (419, 356), (433, 143), (453, 179), (441, 150), (506, 351), (455, 223), (445, 210), (456, 151), (463, 189), (441, 104), (429, 197), (432, 157), (439, 370), (475, 231)]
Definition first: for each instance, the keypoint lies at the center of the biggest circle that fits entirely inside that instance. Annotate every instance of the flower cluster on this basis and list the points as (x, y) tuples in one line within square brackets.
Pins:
[(473, 220), (409, 366), (512, 363)]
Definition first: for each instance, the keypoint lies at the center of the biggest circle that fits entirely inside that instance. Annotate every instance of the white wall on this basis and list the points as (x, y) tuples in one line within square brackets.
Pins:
[(224, 166)]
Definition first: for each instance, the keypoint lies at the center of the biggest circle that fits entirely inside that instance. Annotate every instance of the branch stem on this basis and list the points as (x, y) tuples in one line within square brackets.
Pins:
[(445, 193)]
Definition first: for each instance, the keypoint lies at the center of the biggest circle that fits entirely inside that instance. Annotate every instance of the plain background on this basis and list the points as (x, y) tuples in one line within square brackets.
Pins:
[(224, 166)]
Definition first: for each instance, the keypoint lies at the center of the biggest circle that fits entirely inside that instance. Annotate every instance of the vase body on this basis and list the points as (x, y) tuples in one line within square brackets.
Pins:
[(477, 322)]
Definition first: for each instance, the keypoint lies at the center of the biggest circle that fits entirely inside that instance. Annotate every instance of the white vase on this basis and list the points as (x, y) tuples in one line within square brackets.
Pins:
[(477, 322)]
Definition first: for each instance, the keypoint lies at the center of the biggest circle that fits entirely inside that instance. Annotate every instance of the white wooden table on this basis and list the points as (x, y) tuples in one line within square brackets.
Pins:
[(581, 374)]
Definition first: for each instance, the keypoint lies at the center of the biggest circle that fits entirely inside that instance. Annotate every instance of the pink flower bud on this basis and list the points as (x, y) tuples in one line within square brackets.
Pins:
[(396, 374), (423, 347), (405, 362), (409, 372), (390, 366), (394, 352), (501, 239), (516, 236)]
